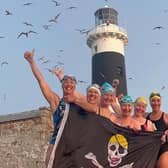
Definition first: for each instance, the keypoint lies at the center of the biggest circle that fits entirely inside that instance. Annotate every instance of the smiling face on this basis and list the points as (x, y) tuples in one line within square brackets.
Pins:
[(93, 96), (126, 109), (107, 99), (68, 86), (139, 109), (155, 103)]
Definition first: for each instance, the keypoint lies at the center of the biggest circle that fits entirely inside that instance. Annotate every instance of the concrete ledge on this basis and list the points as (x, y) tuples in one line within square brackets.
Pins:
[(22, 115)]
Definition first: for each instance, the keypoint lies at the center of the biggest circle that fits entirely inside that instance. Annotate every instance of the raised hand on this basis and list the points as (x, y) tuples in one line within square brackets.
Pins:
[(58, 72), (28, 55)]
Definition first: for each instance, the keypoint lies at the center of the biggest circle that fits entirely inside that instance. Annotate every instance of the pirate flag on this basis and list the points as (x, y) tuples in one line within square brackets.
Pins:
[(91, 141)]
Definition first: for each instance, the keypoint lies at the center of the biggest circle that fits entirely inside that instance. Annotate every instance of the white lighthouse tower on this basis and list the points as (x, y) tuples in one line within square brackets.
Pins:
[(107, 42)]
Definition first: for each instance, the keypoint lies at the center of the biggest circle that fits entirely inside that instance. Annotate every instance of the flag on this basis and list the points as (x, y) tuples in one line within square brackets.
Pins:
[(92, 141)]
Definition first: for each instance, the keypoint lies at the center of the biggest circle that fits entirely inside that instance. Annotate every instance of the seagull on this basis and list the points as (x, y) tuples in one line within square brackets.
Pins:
[(8, 12), (130, 78), (81, 81), (61, 50), (72, 7), (3, 63), (157, 43), (26, 33), (56, 3), (45, 62), (158, 27), (80, 30), (48, 69), (85, 32), (46, 27), (2, 37), (27, 24), (163, 87), (166, 10), (41, 58), (27, 4), (55, 18)]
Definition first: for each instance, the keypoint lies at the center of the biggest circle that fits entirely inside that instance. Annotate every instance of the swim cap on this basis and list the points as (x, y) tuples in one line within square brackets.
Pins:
[(141, 100), (94, 86), (154, 94), (126, 100), (107, 88)]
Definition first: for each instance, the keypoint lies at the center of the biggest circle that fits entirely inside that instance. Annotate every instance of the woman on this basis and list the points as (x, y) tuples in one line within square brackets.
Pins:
[(54, 100), (139, 111), (126, 119), (160, 119)]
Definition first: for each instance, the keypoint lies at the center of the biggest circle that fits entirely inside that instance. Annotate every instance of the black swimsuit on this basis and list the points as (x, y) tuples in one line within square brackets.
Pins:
[(160, 123), (161, 126)]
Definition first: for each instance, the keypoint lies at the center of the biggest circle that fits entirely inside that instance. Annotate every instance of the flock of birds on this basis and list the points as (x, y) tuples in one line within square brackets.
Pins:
[(50, 22)]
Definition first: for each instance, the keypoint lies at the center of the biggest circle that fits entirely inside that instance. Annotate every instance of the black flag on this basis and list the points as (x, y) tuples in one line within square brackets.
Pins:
[(92, 141)]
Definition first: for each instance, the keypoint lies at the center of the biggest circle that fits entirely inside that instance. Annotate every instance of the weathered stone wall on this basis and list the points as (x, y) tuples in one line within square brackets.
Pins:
[(24, 138)]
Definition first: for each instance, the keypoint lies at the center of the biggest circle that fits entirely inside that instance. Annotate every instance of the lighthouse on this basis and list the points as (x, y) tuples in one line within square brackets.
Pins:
[(107, 41)]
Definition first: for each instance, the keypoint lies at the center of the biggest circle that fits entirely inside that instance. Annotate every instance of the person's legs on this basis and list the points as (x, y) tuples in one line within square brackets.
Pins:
[(49, 151), (163, 160)]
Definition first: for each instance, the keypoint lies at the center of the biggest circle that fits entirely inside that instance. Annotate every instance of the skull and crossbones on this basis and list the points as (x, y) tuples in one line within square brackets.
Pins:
[(117, 149)]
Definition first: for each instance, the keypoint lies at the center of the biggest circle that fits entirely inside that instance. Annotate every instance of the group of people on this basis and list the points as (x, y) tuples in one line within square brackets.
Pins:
[(103, 101)]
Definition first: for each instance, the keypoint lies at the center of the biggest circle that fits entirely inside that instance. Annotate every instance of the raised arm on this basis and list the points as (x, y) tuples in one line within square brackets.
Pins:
[(58, 72), (50, 96)]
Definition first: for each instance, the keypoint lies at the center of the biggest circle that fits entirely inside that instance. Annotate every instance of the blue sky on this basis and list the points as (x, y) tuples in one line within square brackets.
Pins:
[(145, 55)]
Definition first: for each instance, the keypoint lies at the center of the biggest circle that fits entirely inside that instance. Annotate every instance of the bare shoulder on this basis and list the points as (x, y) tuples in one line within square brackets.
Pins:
[(54, 102), (166, 117)]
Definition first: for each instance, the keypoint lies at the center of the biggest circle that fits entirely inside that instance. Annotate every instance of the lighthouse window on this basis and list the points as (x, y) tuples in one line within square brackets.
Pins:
[(119, 71), (95, 48)]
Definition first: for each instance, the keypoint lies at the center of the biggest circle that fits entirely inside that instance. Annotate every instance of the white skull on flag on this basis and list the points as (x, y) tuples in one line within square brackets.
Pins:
[(117, 149)]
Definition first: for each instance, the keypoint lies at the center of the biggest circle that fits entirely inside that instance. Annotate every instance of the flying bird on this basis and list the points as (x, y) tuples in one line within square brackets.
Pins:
[(26, 33), (41, 58), (80, 30), (82, 81), (55, 18), (72, 7), (27, 4), (61, 50), (157, 43), (158, 27), (163, 87), (56, 3), (2, 37), (3, 63), (48, 69), (27, 24), (45, 62), (130, 78), (85, 32), (46, 27), (8, 12)]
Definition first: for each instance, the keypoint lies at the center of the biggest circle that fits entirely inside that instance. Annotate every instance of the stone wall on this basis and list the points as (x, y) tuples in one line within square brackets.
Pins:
[(24, 138)]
